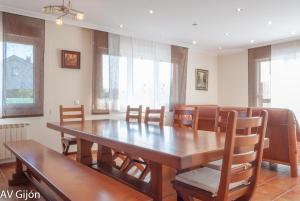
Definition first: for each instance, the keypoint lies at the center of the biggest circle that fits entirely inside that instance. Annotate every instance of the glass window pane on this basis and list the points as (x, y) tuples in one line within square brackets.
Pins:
[(19, 73), (285, 79), (143, 82), (123, 83), (265, 79), (165, 71), (105, 73)]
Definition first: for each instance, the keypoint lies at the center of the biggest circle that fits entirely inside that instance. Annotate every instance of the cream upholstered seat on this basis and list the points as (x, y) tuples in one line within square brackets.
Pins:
[(217, 165), (206, 179)]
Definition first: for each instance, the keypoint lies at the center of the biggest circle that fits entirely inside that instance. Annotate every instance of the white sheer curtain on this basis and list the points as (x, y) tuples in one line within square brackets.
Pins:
[(285, 76), (139, 73)]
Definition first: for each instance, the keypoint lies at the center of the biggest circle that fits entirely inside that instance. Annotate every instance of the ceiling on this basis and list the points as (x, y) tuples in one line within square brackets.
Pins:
[(172, 20)]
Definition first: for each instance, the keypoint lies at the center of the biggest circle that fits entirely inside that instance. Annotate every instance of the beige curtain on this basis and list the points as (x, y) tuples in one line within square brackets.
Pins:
[(28, 31), (255, 55), (100, 40), (179, 58)]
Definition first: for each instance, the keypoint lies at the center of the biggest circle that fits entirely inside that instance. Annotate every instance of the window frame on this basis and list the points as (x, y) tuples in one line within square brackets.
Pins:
[(37, 107)]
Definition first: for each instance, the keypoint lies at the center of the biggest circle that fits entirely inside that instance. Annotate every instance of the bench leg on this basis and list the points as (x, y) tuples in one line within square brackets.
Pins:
[(19, 177), (84, 151)]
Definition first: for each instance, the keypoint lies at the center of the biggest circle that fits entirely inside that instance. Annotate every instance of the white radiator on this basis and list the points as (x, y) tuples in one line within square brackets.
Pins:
[(10, 132)]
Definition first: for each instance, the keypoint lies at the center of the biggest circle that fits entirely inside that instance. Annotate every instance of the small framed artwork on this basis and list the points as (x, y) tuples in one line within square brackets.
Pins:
[(201, 79), (70, 59)]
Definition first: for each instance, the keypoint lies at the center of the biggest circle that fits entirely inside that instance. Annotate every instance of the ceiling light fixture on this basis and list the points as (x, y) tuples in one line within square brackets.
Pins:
[(293, 33), (59, 21), (238, 10), (151, 12), (194, 24), (252, 41), (226, 33), (63, 10), (121, 26), (194, 42), (270, 22)]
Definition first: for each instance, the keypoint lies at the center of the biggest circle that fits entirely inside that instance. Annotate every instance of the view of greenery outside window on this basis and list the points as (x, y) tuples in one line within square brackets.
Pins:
[(19, 73)]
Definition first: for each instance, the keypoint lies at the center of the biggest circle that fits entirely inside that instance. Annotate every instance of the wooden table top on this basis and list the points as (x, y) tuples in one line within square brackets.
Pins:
[(175, 147)]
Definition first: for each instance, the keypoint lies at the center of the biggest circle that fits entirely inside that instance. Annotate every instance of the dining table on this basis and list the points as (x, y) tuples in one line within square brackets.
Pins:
[(167, 149)]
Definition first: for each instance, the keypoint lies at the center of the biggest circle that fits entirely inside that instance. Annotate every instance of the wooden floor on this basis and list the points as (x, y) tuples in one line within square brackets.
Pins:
[(275, 183)]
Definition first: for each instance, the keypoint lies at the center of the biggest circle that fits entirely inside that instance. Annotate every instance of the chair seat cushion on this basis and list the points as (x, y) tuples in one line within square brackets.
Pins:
[(206, 179), (217, 165)]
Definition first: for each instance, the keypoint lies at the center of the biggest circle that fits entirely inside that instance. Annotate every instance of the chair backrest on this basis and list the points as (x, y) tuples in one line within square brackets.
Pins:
[(185, 116), (134, 113), (242, 149), (222, 118), (71, 114), (155, 115), (207, 117)]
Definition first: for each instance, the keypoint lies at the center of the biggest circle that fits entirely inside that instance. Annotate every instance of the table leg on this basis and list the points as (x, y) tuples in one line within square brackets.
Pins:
[(19, 177), (84, 151), (104, 155), (161, 186)]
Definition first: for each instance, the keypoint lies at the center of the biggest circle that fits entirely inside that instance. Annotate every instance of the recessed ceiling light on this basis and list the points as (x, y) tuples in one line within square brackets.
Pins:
[(238, 10), (252, 41), (226, 33), (194, 42), (121, 26), (270, 22), (59, 21), (293, 33), (194, 24), (151, 11)]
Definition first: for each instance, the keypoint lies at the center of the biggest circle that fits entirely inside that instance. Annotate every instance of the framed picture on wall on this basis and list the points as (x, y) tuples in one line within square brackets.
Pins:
[(201, 79), (70, 59)]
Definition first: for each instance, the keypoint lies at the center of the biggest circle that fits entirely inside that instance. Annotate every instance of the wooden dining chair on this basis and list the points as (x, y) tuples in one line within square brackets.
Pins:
[(152, 116), (222, 118), (222, 122), (70, 114), (228, 184), (155, 116), (132, 114), (185, 116)]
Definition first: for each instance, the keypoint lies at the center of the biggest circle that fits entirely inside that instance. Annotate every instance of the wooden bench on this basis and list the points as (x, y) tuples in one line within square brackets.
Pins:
[(65, 179)]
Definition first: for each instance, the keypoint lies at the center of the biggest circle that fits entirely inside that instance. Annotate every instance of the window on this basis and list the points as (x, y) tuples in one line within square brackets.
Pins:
[(259, 76), (130, 71), (145, 82), (264, 86), (23, 64), (277, 75)]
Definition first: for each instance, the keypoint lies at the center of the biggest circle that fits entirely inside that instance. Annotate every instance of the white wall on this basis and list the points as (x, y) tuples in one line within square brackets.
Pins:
[(64, 86), (233, 79), (202, 61)]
